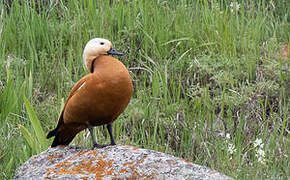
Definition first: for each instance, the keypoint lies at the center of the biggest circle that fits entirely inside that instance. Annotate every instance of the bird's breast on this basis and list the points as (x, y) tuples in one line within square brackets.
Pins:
[(102, 97)]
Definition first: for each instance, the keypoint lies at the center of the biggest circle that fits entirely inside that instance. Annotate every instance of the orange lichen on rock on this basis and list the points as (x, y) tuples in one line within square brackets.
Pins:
[(110, 171), (52, 157), (171, 162), (48, 171), (98, 166), (135, 173), (142, 160), (82, 153), (93, 153), (132, 166), (114, 162), (104, 167), (124, 170), (63, 164), (128, 163)]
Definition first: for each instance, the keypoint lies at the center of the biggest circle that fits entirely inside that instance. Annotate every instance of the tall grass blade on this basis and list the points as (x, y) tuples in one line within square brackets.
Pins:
[(30, 139), (39, 133)]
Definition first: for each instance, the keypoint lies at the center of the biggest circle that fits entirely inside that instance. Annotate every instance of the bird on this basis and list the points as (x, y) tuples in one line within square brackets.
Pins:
[(96, 99)]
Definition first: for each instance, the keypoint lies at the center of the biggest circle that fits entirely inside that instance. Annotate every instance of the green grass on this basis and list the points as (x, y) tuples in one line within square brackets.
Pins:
[(199, 70)]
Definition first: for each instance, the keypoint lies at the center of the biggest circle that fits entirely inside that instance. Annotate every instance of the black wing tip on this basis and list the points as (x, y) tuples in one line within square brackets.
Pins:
[(56, 139), (54, 144), (51, 134), (59, 141)]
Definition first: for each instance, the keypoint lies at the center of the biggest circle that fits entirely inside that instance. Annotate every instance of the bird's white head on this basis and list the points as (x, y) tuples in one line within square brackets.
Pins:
[(95, 48)]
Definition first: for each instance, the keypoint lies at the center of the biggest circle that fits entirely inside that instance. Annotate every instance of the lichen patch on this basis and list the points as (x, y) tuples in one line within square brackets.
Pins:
[(113, 162)]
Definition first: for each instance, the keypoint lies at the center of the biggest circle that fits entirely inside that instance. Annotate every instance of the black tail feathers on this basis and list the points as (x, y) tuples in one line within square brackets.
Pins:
[(62, 139), (51, 134), (65, 134)]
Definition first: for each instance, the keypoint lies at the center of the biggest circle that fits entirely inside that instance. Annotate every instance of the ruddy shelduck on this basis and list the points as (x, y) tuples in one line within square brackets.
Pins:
[(96, 99)]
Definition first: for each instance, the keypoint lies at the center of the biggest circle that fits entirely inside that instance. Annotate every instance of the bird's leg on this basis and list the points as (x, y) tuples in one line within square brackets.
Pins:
[(95, 144), (109, 127)]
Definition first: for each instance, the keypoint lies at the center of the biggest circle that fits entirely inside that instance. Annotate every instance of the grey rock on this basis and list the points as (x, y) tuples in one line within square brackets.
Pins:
[(111, 162)]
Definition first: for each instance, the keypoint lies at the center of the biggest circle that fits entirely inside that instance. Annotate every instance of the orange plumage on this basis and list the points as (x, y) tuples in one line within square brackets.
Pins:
[(96, 99)]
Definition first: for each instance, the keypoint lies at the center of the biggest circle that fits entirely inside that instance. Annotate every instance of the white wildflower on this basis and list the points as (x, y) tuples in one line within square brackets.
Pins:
[(228, 136), (235, 6), (258, 142), (9, 58), (231, 148), (260, 153), (261, 160)]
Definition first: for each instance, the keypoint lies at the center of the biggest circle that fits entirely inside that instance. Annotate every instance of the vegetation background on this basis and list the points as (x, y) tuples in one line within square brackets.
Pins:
[(211, 78)]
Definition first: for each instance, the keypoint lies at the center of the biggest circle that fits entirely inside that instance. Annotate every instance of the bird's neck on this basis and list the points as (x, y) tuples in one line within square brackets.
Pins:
[(103, 64)]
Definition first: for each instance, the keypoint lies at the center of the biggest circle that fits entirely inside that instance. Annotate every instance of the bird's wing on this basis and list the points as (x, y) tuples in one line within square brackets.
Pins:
[(75, 88), (68, 131)]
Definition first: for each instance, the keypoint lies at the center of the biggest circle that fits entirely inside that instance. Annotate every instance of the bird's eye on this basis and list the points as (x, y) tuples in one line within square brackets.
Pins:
[(102, 43)]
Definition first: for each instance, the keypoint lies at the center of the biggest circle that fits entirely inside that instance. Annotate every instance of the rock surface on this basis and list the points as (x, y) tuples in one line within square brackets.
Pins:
[(112, 162)]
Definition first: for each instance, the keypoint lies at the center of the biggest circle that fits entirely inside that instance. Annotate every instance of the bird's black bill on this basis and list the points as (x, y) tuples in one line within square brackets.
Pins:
[(114, 52)]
